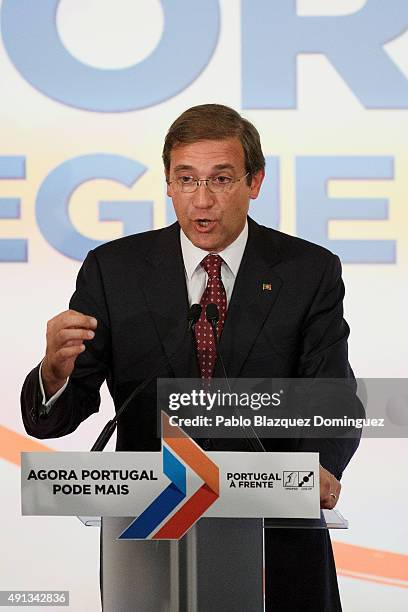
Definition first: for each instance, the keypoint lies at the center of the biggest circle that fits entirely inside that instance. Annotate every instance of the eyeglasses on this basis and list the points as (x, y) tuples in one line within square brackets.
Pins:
[(215, 184)]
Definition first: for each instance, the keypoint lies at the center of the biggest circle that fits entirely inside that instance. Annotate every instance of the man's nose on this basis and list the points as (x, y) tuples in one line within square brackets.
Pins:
[(203, 198)]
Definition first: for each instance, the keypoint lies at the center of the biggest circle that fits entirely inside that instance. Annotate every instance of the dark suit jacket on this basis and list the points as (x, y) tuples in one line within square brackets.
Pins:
[(136, 288)]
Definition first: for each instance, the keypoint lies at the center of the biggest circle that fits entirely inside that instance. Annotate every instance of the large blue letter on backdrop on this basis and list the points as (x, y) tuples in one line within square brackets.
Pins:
[(31, 39)]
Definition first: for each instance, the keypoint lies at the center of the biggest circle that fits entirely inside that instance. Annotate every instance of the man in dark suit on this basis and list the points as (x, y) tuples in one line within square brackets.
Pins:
[(130, 308)]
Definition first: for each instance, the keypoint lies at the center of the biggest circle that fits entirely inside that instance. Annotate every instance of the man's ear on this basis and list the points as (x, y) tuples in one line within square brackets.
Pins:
[(256, 183)]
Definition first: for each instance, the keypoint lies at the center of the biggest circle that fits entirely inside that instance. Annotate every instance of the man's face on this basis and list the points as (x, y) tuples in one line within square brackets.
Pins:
[(212, 221)]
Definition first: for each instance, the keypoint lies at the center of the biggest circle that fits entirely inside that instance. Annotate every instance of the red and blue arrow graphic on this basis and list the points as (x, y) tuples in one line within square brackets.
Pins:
[(207, 494), (176, 440), (164, 503)]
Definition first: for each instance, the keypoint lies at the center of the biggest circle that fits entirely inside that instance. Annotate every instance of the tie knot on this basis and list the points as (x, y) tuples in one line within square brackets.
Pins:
[(212, 265)]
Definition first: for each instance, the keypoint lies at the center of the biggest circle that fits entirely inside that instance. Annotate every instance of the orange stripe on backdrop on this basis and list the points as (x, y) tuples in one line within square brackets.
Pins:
[(376, 565), (383, 581), (13, 443)]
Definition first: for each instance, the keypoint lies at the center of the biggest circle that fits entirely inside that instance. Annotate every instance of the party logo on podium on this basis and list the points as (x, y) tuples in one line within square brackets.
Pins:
[(297, 480), (170, 515)]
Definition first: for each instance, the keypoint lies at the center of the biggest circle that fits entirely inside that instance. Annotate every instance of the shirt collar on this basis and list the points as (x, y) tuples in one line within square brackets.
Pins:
[(232, 255)]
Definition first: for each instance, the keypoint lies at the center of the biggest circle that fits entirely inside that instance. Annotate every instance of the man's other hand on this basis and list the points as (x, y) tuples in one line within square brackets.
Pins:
[(65, 341), (329, 489)]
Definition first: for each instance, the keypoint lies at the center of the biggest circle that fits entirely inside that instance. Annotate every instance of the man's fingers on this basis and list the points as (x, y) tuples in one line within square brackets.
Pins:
[(68, 352), (332, 496), (66, 335), (81, 321), (71, 343), (330, 489), (72, 319), (329, 502), (57, 369)]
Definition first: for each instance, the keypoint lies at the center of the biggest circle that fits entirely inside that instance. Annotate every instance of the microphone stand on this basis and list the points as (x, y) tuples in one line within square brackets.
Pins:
[(107, 432), (212, 316)]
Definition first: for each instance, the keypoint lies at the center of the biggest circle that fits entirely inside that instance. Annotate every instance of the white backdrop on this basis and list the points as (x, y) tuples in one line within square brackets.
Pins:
[(330, 100)]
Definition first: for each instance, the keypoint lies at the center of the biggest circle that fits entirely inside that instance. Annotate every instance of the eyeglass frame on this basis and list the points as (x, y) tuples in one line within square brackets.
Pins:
[(198, 182)]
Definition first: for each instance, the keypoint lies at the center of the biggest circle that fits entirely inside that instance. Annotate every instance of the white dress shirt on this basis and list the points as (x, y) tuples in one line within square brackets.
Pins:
[(196, 279), (196, 276)]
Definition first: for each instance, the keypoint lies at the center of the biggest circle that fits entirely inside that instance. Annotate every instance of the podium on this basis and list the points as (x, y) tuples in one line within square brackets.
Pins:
[(217, 565), (197, 542)]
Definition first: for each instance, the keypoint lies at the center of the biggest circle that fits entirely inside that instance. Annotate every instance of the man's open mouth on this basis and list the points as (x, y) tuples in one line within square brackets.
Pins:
[(204, 225)]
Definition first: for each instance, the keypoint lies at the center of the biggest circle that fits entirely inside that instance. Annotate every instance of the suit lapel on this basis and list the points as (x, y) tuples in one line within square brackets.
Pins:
[(165, 290), (255, 291)]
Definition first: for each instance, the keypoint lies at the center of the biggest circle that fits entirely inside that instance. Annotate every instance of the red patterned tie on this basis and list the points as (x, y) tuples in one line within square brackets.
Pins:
[(214, 294)]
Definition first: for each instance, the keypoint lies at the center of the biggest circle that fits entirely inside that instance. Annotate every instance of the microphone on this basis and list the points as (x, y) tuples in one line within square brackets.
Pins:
[(212, 315), (194, 314)]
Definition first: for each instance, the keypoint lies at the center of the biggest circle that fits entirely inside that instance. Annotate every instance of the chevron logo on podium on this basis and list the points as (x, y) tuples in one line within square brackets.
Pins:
[(178, 452)]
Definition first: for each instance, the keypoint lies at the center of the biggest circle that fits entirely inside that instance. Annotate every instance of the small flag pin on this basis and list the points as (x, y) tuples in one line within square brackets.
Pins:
[(266, 286)]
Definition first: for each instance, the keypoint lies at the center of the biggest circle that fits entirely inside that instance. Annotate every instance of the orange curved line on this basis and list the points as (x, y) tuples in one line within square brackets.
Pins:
[(377, 565), (13, 443), (369, 579)]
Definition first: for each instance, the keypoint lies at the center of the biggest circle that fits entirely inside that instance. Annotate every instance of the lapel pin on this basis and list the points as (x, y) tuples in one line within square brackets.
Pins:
[(266, 286)]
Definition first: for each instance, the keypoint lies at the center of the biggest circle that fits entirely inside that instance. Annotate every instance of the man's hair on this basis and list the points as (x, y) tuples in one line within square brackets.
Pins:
[(215, 122)]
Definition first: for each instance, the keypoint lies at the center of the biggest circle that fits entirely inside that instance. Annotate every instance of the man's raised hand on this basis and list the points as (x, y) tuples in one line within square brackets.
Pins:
[(66, 333)]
